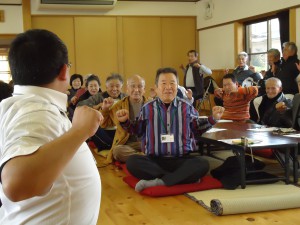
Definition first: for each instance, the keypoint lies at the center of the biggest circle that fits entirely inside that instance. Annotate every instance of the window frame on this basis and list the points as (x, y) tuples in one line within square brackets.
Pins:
[(4, 53), (247, 37)]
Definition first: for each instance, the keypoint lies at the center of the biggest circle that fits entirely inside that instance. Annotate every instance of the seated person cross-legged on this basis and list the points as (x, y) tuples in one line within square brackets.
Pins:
[(270, 109), (167, 126), (236, 100)]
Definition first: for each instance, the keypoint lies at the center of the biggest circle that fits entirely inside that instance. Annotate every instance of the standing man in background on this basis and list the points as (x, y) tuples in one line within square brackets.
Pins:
[(194, 74)]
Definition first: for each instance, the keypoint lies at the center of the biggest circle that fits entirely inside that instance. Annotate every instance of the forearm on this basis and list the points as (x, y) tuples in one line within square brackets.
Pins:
[(32, 175), (108, 116), (201, 125), (205, 70)]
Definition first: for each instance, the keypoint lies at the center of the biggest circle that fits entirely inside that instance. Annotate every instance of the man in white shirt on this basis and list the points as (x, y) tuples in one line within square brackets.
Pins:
[(194, 74), (48, 174)]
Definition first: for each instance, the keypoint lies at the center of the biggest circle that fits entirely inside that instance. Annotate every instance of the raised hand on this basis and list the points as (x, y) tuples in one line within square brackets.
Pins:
[(189, 94), (280, 106), (74, 100), (252, 68), (152, 92), (217, 112), (107, 103), (87, 120), (122, 115), (197, 65), (219, 92), (226, 71)]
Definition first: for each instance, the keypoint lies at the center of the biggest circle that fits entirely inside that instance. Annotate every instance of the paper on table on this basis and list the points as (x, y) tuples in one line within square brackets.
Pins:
[(225, 121), (263, 129), (238, 141), (212, 130), (293, 135)]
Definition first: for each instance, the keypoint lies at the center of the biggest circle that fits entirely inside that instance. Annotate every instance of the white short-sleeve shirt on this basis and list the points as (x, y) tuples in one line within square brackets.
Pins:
[(32, 117)]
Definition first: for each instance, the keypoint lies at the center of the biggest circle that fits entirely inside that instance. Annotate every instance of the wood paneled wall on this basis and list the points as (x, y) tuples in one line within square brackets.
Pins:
[(124, 44)]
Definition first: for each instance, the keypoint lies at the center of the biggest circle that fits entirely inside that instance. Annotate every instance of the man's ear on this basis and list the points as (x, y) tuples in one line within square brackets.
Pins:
[(63, 73)]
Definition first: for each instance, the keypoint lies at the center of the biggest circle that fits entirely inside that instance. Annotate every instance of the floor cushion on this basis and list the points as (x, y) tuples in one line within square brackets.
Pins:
[(207, 182)]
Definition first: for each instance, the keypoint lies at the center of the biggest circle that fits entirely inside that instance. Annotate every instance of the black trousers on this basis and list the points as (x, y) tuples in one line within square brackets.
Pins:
[(172, 170), (103, 139)]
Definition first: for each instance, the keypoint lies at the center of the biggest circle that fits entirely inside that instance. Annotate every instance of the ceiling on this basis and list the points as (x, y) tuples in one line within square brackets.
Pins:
[(162, 0)]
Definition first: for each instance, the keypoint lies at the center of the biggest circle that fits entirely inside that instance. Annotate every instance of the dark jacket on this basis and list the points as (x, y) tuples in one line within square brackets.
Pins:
[(198, 80), (269, 74), (287, 73), (263, 111), (296, 112), (242, 73), (96, 99)]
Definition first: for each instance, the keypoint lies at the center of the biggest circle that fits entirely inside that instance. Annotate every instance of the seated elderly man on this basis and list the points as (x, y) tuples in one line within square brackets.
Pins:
[(236, 100), (124, 144), (242, 72), (167, 126), (274, 62), (270, 109)]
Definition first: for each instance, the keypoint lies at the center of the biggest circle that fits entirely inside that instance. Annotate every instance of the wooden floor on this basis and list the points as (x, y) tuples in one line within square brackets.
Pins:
[(121, 205)]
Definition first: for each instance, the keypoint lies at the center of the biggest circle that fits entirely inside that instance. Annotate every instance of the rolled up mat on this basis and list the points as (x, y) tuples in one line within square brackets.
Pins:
[(254, 198)]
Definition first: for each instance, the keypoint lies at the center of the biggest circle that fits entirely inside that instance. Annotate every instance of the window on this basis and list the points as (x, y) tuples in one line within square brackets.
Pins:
[(260, 37), (4, 67)]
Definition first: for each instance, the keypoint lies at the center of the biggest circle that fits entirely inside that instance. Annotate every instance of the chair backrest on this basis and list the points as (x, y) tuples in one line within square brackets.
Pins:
[(248, 82), (296, 112)]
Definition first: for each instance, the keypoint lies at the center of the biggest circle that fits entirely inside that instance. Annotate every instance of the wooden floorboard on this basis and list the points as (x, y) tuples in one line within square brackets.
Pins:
[(121, 205)]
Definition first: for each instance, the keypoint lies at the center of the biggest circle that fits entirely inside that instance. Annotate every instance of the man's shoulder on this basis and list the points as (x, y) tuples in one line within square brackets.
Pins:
[(19, 106), (183, 101), (122, 103)]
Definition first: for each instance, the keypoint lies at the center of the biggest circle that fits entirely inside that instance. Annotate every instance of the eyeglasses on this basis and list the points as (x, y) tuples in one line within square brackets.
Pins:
[(69, 65)]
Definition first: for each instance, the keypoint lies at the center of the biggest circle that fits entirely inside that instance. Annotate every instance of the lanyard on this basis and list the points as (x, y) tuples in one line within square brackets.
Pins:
[(162, 122)]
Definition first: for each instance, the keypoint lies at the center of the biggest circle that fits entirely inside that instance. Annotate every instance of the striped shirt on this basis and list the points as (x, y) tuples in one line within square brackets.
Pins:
[(237, 104), (179, 119)]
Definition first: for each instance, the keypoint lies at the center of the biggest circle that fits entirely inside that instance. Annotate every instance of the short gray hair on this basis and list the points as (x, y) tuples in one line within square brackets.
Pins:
[(291, 45), (275, 52), (279, 83), (114, 76), (242, 54)]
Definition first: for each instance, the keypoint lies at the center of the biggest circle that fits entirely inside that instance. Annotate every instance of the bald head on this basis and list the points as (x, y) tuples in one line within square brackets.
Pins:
[(135, 78), (274, 80), (136, 88)]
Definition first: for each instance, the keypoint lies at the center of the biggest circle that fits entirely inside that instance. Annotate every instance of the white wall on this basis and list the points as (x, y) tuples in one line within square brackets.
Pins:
[(217, 47), (230, 10), (216, 44), (13, 19), (130, 8)]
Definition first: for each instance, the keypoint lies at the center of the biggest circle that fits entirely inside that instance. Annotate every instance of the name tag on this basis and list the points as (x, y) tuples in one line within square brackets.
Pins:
[(167, 138)]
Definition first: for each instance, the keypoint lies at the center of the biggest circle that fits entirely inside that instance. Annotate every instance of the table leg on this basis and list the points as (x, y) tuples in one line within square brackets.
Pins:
[(243, 168), (295, 164), (287, 165)]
